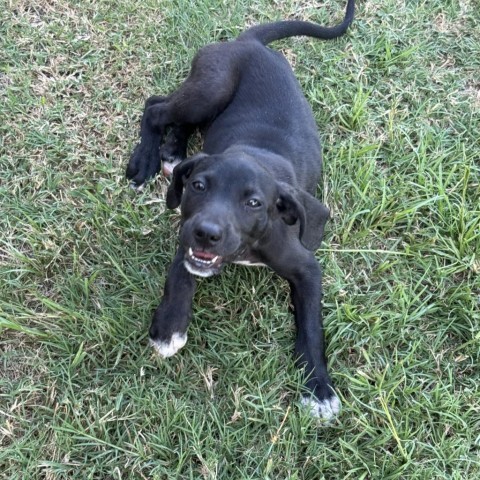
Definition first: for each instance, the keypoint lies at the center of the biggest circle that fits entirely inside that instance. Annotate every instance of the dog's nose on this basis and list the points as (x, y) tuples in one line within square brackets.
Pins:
[(208, 233)]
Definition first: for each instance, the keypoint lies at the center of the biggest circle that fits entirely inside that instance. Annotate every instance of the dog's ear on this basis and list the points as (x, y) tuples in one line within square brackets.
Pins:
[(297, 205), (180, 173)]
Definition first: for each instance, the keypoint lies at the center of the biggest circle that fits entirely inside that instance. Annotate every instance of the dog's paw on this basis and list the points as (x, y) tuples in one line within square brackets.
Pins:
[(168, 349), (144, 164), (168, 166), (170, 155), (325, 410)]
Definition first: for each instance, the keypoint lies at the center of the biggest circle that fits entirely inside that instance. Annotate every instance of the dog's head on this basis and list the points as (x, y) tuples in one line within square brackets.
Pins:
[(230, 204)]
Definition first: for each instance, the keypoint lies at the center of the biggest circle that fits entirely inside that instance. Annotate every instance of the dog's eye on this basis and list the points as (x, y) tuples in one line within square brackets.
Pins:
[(253, 203), (198, 186)]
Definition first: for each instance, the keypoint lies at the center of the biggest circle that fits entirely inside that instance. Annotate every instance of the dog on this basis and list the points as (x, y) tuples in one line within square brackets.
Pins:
[(248, 196)]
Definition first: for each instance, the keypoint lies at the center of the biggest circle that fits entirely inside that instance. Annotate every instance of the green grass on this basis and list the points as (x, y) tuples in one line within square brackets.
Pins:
[(83, 258)]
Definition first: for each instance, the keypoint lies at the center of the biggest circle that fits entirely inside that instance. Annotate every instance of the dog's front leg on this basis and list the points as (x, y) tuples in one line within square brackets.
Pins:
[(310, 342), (168, 332), (303, 273)]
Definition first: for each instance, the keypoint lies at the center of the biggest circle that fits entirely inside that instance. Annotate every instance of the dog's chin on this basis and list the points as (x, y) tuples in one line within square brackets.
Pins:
[(202, 264)]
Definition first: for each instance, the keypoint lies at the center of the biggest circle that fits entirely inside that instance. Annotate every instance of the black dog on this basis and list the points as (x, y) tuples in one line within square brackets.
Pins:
[(248, 197)]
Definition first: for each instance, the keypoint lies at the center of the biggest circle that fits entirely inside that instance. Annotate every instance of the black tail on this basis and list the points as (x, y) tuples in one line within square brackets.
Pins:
[(270, 32)]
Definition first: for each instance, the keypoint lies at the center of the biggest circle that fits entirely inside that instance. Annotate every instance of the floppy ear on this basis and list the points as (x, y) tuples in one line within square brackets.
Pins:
[(297, 205), (180, 173)]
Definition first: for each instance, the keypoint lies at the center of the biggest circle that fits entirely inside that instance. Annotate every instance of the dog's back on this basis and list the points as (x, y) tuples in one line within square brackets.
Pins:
[(268, 111)]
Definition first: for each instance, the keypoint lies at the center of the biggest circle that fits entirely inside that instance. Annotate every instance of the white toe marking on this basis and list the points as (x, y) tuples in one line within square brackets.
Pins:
[(167, 349), (324, 409), (137, 188)]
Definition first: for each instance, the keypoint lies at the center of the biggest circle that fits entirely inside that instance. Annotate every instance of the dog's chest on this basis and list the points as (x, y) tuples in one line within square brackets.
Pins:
[(249, 259), (248, 263)]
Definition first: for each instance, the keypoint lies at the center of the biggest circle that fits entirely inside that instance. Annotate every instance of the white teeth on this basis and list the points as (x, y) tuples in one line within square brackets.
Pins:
[(201, 260)]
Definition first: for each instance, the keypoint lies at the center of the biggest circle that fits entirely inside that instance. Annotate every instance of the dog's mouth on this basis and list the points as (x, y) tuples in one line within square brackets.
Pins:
[(204, 264)]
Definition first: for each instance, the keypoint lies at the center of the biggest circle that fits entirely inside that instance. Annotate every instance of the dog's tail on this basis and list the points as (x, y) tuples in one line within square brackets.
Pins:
[(270, 32)]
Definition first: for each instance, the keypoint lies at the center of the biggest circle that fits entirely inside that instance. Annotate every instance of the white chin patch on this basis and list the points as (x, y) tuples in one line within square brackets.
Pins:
[(200, 272), (324, 409), (167, 349)]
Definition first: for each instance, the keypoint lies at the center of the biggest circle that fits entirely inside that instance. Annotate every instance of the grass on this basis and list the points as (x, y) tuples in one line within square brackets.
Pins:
[(83, 258)]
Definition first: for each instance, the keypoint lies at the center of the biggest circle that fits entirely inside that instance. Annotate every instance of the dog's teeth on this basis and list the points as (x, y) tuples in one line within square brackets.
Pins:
[(214, 259), (190, 252)]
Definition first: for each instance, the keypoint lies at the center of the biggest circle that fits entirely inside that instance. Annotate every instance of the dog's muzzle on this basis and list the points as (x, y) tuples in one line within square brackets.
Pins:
[(201, 263)]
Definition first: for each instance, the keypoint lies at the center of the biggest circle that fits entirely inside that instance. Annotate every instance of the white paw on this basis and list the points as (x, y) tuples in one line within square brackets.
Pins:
[(324, 409), (167, 349), (137, 188)]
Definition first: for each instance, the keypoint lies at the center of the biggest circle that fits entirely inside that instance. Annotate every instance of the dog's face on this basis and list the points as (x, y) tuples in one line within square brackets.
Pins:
[(226, 204), (229, 203)]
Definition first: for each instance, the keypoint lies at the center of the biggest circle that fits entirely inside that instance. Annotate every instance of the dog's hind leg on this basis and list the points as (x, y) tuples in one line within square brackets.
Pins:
[(202, 96), (145, 160), (174, 150)]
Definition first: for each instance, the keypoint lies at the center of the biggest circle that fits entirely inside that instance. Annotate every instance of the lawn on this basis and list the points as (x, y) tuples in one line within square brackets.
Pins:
[(83, 257)]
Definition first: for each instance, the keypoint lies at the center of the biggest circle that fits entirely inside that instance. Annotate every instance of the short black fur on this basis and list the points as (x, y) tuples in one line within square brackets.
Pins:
[(249, 195)]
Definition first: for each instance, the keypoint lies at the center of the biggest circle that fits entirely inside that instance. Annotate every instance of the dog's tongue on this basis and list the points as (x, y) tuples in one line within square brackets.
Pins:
[(204, 255)]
